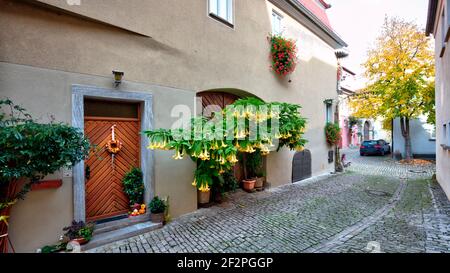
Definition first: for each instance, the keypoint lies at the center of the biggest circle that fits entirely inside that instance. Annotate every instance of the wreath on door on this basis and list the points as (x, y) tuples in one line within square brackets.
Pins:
[(113, 146)]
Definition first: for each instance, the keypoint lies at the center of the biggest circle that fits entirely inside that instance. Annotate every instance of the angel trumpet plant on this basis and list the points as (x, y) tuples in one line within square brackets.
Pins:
[(217, 155)]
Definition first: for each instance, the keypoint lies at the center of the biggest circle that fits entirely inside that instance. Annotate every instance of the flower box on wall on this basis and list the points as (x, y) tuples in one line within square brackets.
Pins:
[(47, 184)]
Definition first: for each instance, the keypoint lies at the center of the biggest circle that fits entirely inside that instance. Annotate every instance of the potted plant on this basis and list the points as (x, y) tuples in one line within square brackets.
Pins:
[(157, 210), (253, 171), (79, 232), (133, 187), (283, 54), (203, 181), (332, 133)]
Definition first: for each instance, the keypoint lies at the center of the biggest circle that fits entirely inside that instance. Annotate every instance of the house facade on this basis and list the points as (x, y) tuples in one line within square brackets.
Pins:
[(423, 138), (346, 89), (439, 25), (355, 130), (57, 58)]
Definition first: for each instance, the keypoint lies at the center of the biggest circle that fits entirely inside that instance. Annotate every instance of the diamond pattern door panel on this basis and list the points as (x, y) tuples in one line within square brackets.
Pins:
[(104, 193)]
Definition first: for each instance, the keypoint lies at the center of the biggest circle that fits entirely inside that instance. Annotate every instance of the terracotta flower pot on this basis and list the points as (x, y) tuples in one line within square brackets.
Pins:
[(81, 241), (203, 197), (157, 217), (249, 184), (259, 182)]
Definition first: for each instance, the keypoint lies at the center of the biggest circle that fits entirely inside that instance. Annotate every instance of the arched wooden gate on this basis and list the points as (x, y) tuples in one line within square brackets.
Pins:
[(216, 101)]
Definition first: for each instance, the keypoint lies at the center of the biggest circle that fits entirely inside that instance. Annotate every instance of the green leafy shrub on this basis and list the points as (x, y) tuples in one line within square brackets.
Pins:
[(157, 205), (79, 230), (30, 151), (33, 150), (230, 182), (254, 164), (133, 186), (332, 133)]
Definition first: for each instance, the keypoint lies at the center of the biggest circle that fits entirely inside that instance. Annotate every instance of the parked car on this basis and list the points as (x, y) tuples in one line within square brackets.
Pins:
[(370, 147)]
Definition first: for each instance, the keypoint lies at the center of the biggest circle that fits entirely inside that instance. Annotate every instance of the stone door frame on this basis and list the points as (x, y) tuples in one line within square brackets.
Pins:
[(79, 93)]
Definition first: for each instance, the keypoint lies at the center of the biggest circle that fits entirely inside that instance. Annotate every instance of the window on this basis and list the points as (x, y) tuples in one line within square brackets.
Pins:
[(448, 135), (222, 10), (277, 28), (444, 132), (445, 27), (329, 113), (111, 109)]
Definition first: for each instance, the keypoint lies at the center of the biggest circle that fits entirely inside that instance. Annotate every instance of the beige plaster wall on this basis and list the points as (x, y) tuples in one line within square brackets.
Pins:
[(442, 110), (188, 51), (39, 219)]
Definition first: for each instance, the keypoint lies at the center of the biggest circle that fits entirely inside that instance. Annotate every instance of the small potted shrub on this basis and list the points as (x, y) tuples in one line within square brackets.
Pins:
[(249, 184), (253, 170), (157, 210), (79, 232), (133, 187)]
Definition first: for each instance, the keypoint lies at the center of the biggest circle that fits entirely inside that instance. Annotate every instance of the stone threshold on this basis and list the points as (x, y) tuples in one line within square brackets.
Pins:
[(111, 232)]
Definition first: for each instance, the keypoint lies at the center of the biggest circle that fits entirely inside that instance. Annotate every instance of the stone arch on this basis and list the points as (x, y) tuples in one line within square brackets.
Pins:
[(214, 100)]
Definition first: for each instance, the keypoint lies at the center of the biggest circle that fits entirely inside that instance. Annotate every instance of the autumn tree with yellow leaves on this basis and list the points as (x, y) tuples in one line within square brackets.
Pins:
[(400, 73)]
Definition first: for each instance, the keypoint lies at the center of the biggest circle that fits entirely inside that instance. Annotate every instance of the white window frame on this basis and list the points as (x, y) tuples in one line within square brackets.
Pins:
[(447, 140), (329, 113), (277, 16), (215, 10)]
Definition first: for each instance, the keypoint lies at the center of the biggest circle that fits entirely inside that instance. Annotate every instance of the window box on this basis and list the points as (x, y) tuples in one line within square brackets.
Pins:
[(47, 184)]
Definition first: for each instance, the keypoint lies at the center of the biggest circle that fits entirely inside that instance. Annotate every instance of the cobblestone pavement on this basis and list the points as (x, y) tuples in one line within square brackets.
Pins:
[(377, 205)]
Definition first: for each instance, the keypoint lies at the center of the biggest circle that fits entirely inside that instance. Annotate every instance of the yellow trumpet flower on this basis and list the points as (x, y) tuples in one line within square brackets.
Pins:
[(204, 188), (178, 155)]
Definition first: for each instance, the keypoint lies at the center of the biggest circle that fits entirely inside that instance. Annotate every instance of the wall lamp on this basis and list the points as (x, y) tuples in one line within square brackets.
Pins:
[(118, 75)]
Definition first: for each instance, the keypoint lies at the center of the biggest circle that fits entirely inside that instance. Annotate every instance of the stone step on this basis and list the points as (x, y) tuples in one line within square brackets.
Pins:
[(126, 232), (122, 223)]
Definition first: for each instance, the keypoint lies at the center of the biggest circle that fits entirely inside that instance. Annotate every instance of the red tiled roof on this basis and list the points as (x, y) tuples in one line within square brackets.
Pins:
[(319, 11)]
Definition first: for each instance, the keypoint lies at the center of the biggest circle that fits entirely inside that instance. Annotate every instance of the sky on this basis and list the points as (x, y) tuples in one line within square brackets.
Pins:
[(359, 22)]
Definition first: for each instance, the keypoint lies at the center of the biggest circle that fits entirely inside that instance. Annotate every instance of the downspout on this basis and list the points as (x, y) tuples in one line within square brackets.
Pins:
[(392, 136)]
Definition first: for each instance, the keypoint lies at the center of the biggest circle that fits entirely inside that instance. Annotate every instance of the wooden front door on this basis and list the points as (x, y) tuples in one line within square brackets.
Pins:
[(104, 173)]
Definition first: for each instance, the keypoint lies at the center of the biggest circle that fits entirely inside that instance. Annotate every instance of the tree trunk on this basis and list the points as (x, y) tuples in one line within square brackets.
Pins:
[(404, 122)]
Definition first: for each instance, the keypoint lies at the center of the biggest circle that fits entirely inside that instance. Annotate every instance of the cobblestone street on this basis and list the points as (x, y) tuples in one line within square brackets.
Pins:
[(377, 205)]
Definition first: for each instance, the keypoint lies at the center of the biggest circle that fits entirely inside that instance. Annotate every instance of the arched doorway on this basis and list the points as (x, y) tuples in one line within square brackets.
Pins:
[(366, 130), (213, 101), (301, 166)]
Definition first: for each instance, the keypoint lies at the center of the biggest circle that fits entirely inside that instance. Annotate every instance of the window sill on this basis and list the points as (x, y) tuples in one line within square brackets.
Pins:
[(442, 52), (220, 19), (48, 184), (445, 147)]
